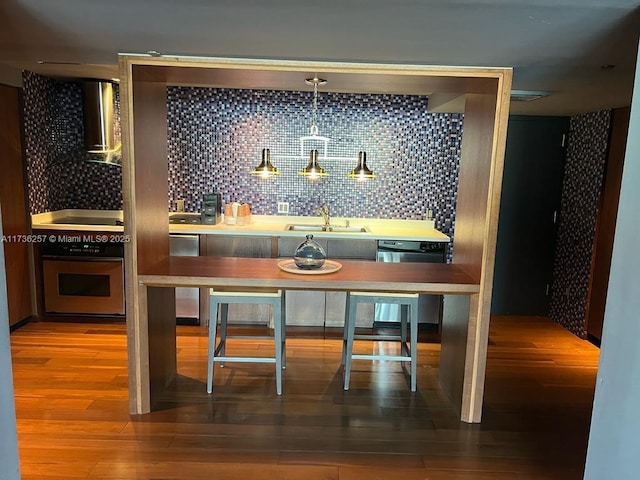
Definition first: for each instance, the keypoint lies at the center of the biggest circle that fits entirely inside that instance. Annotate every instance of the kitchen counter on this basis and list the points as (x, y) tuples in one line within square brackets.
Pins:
[(261, 225)]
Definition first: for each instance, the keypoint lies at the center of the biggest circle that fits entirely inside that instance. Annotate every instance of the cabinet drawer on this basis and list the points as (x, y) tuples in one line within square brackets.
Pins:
[(361, 249), (288, 245), (238, 246)]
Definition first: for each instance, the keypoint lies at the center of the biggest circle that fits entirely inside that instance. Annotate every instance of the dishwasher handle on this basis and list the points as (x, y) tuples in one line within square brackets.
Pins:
[(401, 246)]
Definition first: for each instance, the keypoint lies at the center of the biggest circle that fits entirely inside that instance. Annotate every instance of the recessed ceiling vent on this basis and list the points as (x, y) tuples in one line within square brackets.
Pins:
[(98, 116), (528, 95)]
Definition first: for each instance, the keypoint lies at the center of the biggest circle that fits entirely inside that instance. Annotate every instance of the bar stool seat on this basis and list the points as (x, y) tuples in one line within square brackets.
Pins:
[(408, 314), (218, 352)]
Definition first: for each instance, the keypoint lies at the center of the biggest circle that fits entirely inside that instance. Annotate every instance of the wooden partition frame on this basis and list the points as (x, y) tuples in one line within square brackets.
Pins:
[(143, 99), (477, 211), (145, 187)]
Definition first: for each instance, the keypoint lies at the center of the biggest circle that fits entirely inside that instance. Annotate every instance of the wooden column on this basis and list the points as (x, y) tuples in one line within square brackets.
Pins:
[(151, 331), (483, 145)]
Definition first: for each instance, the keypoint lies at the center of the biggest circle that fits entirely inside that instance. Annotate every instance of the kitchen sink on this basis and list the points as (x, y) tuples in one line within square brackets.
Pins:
[(349, 229), (322, 228), (304, 228)]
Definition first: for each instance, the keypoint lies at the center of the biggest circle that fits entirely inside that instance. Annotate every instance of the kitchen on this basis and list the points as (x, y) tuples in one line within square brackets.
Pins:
[(59, 178), (395, 53), (62, 167), (448, 134), (404, 146)]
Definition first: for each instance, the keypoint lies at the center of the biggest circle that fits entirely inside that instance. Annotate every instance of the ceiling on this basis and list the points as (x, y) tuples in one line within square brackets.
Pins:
[(581, 51)]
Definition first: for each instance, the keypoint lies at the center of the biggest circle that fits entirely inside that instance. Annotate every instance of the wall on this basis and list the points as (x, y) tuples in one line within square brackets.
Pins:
[(10, 76), (9, 464), (613, 438), (57, 174), (584, 170), (215, 137)]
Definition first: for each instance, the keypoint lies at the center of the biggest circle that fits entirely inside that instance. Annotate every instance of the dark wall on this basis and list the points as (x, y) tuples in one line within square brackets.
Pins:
[(527, 247), (531, 190)]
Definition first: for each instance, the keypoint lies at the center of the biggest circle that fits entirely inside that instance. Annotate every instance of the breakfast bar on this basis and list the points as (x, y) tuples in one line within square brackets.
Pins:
[(460, 290)]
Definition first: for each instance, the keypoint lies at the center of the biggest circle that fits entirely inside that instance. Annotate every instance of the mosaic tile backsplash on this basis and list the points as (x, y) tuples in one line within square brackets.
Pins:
[(57, 171), (216, 137), (584, 171)]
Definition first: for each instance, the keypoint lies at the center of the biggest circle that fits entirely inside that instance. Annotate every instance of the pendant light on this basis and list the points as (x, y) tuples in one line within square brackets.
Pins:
[(313, 170), (361, 172), (318, 146), (265, 169)]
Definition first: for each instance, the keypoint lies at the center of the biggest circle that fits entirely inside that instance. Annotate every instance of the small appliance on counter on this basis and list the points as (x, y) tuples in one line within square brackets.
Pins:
[(212, 209), (237, 213), (182, 218)]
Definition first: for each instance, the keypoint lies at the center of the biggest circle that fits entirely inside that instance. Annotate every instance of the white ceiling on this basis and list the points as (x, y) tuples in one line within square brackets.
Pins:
[(554, 45)]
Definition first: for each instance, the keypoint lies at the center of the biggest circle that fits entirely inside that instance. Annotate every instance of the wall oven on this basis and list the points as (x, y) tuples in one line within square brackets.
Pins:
[(85, 278)]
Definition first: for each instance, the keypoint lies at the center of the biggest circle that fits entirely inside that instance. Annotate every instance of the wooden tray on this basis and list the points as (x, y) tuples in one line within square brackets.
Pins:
[(329, 266)]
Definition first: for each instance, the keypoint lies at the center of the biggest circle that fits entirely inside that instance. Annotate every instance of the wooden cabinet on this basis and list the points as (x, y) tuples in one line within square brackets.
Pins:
[(359, 249), (238, 246), (336, 302), (15, 218)]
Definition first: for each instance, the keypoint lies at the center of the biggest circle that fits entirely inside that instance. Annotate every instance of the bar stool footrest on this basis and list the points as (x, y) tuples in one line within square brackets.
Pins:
[(378, 338), (244, 360), (393, 358)]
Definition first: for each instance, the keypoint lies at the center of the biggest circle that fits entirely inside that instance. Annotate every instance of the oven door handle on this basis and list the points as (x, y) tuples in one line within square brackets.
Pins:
[(70, 258)]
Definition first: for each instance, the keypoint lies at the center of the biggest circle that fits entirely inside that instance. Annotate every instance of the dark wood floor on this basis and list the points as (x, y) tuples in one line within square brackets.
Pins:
[(73, 422)]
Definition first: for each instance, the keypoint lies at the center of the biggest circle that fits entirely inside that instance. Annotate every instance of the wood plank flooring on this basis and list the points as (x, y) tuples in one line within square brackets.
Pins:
[(73, 421)]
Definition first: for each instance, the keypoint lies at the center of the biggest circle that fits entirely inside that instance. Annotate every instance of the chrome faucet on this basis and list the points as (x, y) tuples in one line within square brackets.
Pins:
[(326, 216)]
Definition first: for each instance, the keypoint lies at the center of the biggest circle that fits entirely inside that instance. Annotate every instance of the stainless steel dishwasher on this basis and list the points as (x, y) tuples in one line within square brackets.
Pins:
[(430, 306), (187, 299)]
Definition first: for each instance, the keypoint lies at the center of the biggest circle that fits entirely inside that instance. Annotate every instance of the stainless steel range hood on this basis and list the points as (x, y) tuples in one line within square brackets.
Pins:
[(98, 116)]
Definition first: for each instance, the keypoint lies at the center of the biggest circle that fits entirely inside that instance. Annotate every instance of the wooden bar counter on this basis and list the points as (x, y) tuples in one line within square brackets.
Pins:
[(158, 367), (436, 278)]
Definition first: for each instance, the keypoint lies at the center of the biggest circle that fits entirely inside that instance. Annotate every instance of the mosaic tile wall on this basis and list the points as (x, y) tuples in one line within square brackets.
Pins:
[(58, 175), (584, 170), (216, 137)]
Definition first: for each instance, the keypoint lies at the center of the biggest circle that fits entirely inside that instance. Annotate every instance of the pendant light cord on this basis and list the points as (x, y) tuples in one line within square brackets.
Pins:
[(314, 117)]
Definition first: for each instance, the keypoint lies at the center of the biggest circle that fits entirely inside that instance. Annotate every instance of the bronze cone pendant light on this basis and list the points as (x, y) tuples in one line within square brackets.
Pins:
[(265, 169), (361, 172), (313, 170)]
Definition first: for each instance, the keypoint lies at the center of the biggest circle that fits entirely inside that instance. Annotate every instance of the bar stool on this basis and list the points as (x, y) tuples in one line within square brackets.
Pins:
[(217, 353), (408, 314)]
